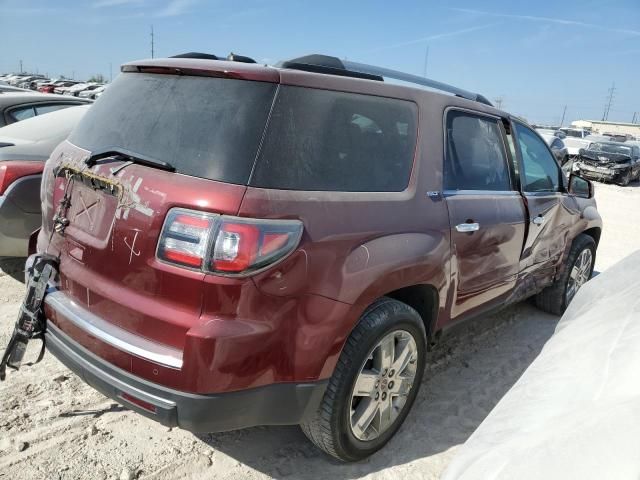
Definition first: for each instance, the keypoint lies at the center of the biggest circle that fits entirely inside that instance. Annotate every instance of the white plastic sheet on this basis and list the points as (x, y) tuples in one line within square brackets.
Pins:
[(575, 412)]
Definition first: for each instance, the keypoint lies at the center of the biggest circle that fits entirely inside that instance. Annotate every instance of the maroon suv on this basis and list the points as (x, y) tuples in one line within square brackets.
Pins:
[(249, 245)]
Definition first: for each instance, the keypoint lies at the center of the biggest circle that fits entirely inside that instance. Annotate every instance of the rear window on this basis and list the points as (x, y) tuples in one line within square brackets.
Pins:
[(336, 141), (205, 127)]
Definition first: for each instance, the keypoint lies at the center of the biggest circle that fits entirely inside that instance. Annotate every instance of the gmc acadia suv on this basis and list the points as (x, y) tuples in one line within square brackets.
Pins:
[(249, 245)]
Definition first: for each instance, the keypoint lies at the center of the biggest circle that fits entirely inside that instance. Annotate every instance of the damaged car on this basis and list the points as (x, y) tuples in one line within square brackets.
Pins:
[(609, 162), (228, 244)]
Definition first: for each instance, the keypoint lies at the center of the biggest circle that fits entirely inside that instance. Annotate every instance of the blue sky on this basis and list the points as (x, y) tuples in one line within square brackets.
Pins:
[(538, 56)]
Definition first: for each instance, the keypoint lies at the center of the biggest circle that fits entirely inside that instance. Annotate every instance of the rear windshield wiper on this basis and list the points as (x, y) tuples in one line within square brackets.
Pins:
[(126, 155)]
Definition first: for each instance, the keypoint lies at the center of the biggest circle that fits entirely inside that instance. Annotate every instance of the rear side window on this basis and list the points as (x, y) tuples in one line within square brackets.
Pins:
[(47, 108), (476, 157), (22, 113), (205, 127), (337, 141)]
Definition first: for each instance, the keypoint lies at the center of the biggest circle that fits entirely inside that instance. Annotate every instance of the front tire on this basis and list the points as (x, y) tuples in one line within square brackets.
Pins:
[(556, 298), (624, 181), (374, 385)]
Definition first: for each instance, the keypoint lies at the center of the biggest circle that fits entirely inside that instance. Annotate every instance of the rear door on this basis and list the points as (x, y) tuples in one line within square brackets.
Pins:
[(550, 210), (486, 212)]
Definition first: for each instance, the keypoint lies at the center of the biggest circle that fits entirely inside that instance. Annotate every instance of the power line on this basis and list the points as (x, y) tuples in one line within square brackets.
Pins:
[(607, 107)]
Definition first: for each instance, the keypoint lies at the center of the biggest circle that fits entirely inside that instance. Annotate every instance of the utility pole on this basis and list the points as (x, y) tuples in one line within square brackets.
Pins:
[(152, 52), (20, 66), (426, 62), (499, 101), (607, 107), (110, 72), (635, 114), (563, 114)]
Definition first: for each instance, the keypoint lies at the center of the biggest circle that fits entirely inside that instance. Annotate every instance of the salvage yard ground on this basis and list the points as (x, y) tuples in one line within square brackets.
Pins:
[(53, 426)]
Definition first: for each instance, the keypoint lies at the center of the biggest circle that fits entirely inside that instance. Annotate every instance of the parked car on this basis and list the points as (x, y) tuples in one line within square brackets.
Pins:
[(575, 132), (51, 86), (75, 90), (573, 414), (92, 93), (16, 106), (277, 245), (609, 161), (61, 89), (24, 147), (557, 147)]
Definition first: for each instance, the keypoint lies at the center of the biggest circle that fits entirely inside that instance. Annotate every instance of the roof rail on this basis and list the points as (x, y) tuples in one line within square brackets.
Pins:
[(333, 65)]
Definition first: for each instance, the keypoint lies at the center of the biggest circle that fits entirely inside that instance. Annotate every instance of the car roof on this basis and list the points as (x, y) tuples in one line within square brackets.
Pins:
[(286, 76), (8, 99)]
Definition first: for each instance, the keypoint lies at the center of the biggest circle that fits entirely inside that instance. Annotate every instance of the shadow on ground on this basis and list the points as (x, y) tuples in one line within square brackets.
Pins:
[(469, 372), (13, 266)]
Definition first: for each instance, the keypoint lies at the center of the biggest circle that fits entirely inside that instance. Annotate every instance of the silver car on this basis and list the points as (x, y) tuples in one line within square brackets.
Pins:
[(24, 147)]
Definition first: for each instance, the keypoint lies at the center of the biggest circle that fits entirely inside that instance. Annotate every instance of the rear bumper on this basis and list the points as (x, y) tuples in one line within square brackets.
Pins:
[(276, 404)]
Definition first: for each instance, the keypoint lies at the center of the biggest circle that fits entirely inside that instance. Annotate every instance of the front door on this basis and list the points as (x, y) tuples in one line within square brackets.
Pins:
[(550, 210), (486, 213)]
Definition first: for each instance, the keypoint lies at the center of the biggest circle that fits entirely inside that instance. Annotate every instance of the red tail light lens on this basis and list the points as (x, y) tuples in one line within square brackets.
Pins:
[(185, 237), (12, 170), (225, 245)]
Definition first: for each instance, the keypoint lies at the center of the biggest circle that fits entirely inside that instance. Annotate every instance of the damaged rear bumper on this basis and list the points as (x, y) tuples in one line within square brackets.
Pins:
[(276, 404)]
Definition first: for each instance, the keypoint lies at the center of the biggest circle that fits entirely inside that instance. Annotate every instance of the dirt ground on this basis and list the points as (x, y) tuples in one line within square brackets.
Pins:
[(53, 426)]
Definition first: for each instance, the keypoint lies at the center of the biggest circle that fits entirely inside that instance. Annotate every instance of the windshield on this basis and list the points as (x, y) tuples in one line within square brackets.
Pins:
[(205, 127), (610, 148)]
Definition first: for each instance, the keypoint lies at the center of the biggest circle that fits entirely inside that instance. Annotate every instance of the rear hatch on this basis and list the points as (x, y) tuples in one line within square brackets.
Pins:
[(204, 133)]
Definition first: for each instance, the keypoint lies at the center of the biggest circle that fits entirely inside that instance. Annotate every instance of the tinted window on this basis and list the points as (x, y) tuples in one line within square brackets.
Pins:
[(22, 113), (541, 172), (476, 158), (206, 127), (42, 109), (324, 140)]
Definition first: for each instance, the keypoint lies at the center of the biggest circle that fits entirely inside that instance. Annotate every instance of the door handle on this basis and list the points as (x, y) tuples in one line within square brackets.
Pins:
[(468, 227), (539, 220)]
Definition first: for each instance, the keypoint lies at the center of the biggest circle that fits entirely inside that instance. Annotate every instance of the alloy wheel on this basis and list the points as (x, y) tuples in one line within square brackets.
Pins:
[(381, 388), (580, 273)]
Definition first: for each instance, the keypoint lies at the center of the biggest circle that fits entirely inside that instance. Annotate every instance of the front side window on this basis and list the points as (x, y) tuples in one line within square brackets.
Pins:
[(541, 171), (476, 157), (337, 141)]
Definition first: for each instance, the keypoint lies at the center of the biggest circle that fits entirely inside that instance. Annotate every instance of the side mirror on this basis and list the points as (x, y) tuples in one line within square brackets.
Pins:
[(581, 151), (580, 187)]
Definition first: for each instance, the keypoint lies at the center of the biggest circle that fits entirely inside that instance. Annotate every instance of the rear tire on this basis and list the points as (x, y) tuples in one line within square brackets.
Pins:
[(556, 298), (339, 426)]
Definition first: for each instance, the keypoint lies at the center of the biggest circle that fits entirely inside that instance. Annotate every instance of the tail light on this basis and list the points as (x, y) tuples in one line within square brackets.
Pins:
[(12, 170), (225, 245)]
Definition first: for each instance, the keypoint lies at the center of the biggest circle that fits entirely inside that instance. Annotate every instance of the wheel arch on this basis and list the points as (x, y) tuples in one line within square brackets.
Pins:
[(424, 299), (594, 232)]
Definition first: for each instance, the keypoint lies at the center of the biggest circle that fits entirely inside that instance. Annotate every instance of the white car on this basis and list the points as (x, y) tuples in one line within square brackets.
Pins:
[(75, 90), (92, 93)]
